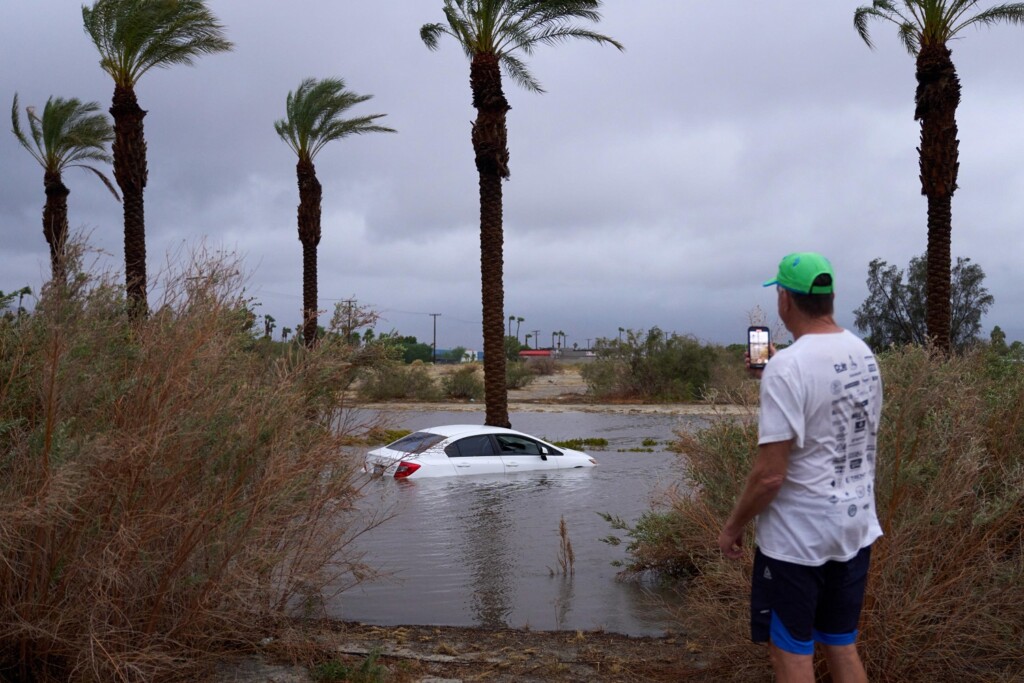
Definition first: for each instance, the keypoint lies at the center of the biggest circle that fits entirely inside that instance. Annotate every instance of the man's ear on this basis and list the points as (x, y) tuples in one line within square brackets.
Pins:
[(784, 301)]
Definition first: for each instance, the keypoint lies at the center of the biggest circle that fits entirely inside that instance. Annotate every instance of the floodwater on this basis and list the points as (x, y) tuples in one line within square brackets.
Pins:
[(484, 550)]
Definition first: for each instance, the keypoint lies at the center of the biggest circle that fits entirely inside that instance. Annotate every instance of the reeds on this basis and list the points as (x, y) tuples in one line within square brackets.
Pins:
[(165, 490), (566, 557), (947, 579)]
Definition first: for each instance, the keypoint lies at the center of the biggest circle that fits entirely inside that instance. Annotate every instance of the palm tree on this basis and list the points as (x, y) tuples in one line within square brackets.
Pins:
[(925, 28), (491, 33), (312, 119), (134, 36), (67, 135)]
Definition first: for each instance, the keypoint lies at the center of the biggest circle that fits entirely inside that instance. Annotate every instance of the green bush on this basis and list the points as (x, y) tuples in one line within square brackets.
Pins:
[(396, 381), (947, 577), (655, 366), (165, 489), (463, 383), (518, 374)]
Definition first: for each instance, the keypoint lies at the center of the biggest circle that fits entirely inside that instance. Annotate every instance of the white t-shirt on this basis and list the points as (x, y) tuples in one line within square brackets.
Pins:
[(825, 393)]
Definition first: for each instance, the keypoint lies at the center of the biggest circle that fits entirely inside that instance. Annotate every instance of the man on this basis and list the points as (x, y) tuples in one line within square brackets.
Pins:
[(811, 487)]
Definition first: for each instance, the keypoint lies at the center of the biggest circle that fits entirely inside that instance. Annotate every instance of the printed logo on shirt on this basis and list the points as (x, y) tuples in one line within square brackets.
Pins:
[(840, 367), (852, 510)]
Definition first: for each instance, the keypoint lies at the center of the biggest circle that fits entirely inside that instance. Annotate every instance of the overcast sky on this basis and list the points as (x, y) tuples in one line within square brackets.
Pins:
[(653, 187)]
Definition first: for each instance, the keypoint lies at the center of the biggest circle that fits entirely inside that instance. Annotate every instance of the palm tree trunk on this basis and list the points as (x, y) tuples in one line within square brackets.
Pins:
[(55, 222), (491, 152), (938, 95), (131, 174), (310, 194)]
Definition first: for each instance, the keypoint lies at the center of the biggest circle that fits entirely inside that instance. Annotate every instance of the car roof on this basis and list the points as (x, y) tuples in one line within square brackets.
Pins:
[(450, 431)]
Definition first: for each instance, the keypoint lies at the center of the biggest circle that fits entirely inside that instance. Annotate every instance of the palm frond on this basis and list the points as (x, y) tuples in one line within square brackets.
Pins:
[(314, 116), (102, 176), (69, 131), (36, 151), (431, 34), (909, 28), (933, 22), (520, 75), (134, 36), (1011, 13), (505, 27)]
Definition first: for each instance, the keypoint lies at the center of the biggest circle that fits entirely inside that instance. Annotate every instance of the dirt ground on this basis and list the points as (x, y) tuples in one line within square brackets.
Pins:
[(560, 392), (444, 654), (434, 654)]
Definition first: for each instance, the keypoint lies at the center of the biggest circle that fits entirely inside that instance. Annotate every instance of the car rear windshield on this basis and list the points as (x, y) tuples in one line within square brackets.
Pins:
[(416, 442)]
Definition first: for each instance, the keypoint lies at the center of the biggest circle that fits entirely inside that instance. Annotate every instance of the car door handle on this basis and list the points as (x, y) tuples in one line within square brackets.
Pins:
[(463, 465)]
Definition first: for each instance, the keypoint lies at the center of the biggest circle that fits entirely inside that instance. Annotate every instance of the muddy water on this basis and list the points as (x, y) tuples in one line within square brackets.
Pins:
[(484, 550)]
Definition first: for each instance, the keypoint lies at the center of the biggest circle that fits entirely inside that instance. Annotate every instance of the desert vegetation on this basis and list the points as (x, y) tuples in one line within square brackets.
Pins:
[(947, 577), (657, 366), (168, 489)]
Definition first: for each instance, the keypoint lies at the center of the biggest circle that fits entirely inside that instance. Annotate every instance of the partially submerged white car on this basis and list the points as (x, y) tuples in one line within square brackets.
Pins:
[(459, 450)]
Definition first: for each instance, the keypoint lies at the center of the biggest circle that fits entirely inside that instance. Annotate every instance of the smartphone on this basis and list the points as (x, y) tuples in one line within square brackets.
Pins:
[(758, 341)]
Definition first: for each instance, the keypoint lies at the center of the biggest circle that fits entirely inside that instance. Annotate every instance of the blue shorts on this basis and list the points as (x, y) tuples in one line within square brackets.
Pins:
[(795, 606)]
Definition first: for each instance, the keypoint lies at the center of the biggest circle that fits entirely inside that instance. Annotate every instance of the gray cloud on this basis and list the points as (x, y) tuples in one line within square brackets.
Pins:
[(658, 186)]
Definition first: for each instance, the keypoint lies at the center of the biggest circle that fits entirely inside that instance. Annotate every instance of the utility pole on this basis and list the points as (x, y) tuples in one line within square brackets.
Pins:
[(536, 339), (434, 353), (348, 324)]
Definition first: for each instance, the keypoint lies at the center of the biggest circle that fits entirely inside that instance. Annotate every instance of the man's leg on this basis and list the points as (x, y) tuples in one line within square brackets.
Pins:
[(838, 615), (792, 668), (844, 664)]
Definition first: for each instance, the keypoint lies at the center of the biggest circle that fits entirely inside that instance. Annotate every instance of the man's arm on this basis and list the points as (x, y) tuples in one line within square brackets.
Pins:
[(763, 483)]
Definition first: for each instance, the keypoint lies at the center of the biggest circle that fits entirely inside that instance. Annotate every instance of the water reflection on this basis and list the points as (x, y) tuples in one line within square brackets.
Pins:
[(483, 550), (486, 539)]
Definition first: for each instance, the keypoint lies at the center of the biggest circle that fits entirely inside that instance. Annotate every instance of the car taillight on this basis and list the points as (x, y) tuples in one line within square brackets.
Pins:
[(404, 469)]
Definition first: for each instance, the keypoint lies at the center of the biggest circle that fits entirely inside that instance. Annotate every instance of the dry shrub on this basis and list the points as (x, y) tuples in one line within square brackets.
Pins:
[(463, 383), (540, 365), (164, 490), (396, 381), (947, 579)]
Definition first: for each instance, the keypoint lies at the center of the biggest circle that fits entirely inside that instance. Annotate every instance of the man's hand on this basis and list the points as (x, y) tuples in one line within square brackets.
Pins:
[(730, 542), (757, 372)]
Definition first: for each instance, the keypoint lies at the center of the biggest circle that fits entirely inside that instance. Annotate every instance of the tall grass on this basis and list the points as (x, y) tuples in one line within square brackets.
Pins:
[(164, 489), (947, 579)]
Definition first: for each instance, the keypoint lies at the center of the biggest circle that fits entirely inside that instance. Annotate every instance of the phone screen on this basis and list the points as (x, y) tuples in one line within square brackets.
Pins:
[(758, 340)]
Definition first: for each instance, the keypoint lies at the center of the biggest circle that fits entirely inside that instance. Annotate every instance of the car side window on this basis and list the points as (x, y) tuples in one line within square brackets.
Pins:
[(417, 442), (517, 445), (470, 447)]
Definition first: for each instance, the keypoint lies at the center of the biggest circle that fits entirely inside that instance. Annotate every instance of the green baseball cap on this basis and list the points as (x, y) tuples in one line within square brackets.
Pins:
[(797, 273)]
